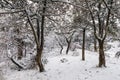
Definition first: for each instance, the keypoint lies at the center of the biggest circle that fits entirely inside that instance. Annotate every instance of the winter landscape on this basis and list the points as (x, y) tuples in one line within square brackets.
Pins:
[(59, 39)]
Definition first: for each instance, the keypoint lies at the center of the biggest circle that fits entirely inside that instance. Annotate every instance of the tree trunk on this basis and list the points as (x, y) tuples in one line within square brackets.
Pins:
[(38, 28), (40, 48), (83, 45), (38, 59), (20, 53), (69, 43), (68, 47), (61, 49), (36, 36), (95, 44), (20, 48), (61, 46), (102, 62)]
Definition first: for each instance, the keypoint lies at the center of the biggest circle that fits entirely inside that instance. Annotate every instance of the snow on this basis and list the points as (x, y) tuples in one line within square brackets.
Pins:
[(115, 48), (70, 67)]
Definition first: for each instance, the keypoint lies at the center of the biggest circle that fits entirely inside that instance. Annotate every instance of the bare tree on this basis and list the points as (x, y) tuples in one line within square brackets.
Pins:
[(68, 40), (60, 44), (102, 15)]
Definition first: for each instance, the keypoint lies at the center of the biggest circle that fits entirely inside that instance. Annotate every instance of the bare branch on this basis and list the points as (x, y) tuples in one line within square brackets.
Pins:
[(93, 20), (12, 12), (32, 27)]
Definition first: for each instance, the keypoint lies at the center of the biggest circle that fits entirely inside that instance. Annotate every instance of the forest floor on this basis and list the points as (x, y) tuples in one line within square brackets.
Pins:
[(71, 67)]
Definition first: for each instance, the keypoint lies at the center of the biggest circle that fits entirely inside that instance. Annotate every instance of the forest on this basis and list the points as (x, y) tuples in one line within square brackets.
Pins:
[(59, 39)]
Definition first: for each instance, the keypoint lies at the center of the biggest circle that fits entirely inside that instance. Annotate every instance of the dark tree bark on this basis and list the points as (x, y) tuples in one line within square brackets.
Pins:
[(20, 53), (38, 28), (95, 45), (16, 63), (102, 27), (38, 59), (68, 46), (40, 49), (101, 54), (20, 48), (83, 45), (68, 40), (39, 44)]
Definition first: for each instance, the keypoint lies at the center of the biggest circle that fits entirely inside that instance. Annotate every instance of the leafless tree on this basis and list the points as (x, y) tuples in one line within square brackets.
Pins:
[(102, 16)]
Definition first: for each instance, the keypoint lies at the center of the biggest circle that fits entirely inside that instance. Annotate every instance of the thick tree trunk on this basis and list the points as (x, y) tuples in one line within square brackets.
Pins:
[(102, 62), (36, 35), (38, 59), (83, 45), (40, 48)]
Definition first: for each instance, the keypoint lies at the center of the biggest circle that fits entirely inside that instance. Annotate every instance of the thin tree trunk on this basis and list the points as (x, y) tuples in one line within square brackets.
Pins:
[(68, 47), (61, 49), (60, 44), (69, 42), (95, 44), (38, 29), (20, 48), (20, 53), (83, 45)]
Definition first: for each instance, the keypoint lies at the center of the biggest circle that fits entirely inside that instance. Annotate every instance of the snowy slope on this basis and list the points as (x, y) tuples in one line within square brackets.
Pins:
[(69, 67)]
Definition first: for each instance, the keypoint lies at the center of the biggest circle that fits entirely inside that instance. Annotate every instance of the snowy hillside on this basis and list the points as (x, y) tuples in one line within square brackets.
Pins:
[(59, 39), (71, 67)]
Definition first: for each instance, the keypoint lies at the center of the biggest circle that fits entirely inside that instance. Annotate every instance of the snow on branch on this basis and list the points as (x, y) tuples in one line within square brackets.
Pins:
[(12, 12)]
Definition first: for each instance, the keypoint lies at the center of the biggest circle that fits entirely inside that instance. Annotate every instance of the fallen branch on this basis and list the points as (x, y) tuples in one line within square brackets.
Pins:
[(16, 63)]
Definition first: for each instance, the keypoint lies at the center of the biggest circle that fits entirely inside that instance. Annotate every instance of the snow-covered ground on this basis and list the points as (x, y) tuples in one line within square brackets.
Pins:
[(71, 67)]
